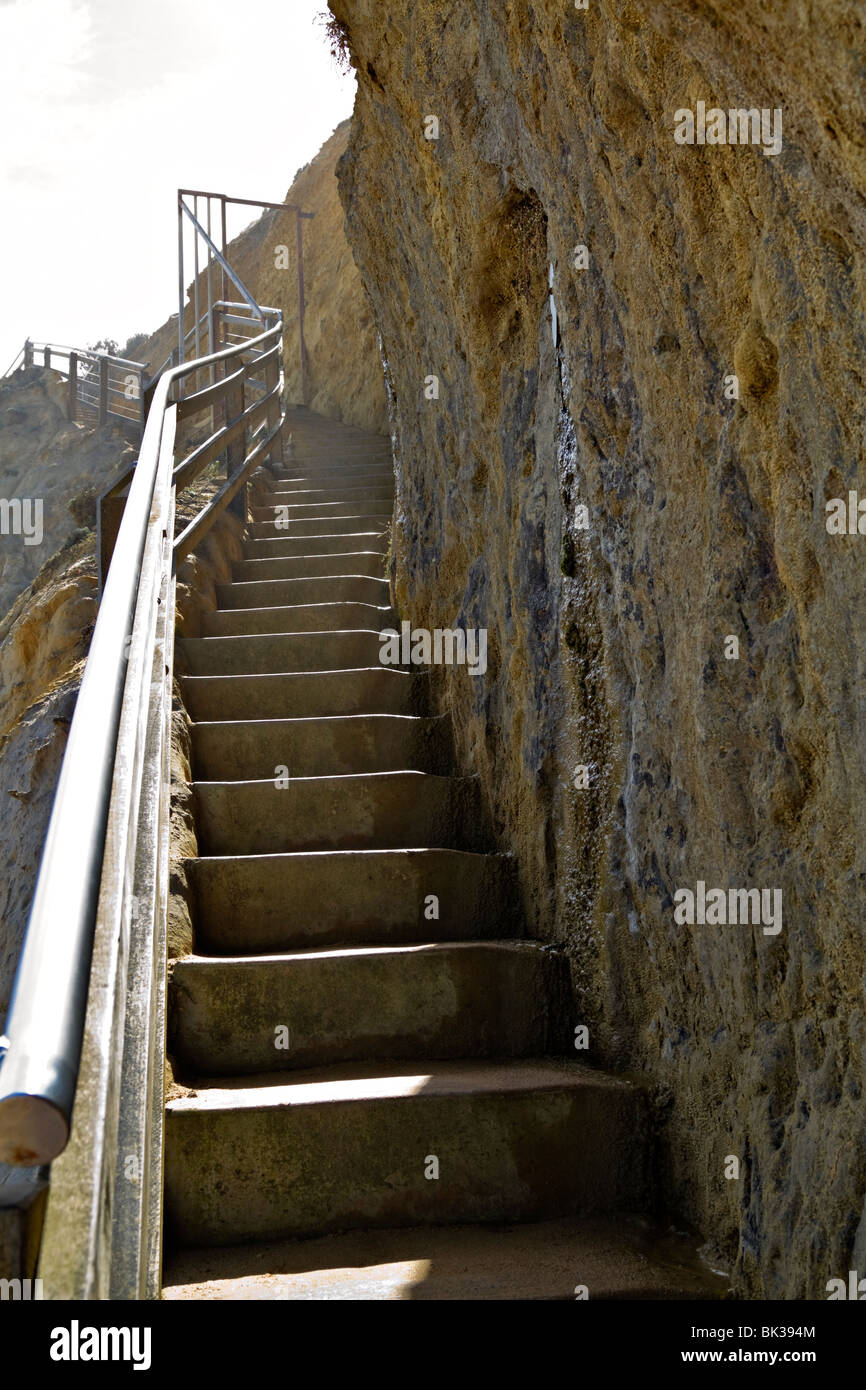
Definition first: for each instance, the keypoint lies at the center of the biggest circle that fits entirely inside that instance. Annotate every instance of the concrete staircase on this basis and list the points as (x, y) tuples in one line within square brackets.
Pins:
[(365, 1041)]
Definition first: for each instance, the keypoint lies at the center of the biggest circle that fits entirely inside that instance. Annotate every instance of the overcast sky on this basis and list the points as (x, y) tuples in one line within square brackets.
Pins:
[(107, 107)]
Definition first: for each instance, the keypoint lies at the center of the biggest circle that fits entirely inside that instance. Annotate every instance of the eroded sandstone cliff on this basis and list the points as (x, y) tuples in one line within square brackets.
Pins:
[(608, 644)]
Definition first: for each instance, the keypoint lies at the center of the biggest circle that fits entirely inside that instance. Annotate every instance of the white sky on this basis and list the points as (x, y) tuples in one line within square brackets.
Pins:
[(93, 97)]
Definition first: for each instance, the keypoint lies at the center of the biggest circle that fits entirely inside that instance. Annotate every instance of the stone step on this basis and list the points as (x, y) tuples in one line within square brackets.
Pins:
[(443, 1000), (349, 525), (337, 444), (329, 465), (367, 561), (336, 461), (343, 1147), (337, 449), (621, 1259), (300, 695), (263, 653), (335, 456), (254, 748), (359, 483), (333, 434), (317, 547), (275, 593), (284, 515), (291, 494), (377, 810), (277, 902), (303, 617)]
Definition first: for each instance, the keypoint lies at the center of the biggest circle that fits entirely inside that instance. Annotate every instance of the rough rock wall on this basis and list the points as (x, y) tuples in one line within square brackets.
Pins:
[(43, 645), (49, 589), (706, 520), (343, 361), (46, 458)]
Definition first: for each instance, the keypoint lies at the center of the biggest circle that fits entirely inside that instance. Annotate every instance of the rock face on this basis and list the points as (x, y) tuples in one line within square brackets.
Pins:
[(343, 361), (48, 606), (43, 645), (738, 765), (47, 460)]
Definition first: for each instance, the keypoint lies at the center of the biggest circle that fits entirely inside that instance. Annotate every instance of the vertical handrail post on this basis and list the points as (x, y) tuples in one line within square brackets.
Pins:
[(210, 325), (72, 399), (47, 355), (224, 288), (195, 297), (220, 414), (273, 371), (236, 449), (28, 353), (103, 390)]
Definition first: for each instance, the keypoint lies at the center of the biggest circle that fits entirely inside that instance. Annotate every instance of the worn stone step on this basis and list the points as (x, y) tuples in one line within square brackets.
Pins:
[(335, 445), (346, 1147), (315, 548), (349, 525), (303, 694), (263, 653), (357, 480), (284, 515), (443, 1000), (336, 442), (289, 566), (376, 810), (276, 902), (303, 617), (374, 460), (276, 593), (387, 810), (624, 1258), (336, 458), (307, 494), (254, 748)]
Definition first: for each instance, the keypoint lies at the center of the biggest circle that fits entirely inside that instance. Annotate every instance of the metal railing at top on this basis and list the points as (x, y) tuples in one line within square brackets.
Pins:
[(104, 872), (219, 325), (217, 265), (99, 384)]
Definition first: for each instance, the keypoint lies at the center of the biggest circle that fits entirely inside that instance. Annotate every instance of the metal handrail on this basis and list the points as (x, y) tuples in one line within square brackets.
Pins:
[(218, 257), (40, 1056), (221, 307)]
